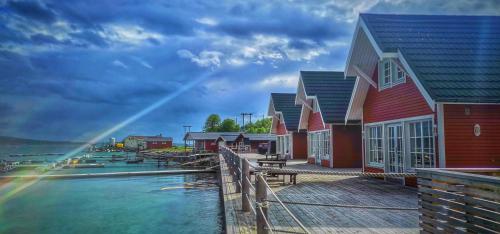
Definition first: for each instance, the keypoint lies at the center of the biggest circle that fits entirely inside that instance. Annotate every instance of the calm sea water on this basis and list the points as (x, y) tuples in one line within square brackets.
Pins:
[(187, 203)]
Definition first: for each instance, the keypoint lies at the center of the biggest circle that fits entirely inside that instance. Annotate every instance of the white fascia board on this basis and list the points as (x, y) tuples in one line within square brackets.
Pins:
[(304, 111), (351, 100), (415, 79), (468, 103), (301, 91), (320, 113), (300, 118), (271, 110), (362, 24), (351, 49), (441, 135)]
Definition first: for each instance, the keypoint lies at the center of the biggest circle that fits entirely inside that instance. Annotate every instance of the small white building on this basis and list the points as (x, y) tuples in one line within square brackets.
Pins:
[(147, 142), (112, 141)]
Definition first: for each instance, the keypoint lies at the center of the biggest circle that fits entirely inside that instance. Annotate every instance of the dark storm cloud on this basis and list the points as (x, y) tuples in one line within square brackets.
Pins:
[(44, 39), (33, 10), (70, 69), (290, 22), (90, 37)]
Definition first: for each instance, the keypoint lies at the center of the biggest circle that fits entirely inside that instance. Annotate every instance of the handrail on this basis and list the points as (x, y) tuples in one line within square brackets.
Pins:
[(284, 207), (233, 161)]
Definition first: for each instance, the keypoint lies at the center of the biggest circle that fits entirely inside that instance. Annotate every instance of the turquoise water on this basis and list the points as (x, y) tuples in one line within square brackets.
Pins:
[(116, 205), (187, 203)]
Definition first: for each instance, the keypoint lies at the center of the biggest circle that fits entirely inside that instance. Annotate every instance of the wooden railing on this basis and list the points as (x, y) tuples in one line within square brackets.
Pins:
[(459, 200)]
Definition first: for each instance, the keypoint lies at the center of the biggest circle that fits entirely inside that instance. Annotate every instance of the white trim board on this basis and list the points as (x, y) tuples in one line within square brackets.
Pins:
[(401, 120), (468, 103), (441, 135), (351, 100)]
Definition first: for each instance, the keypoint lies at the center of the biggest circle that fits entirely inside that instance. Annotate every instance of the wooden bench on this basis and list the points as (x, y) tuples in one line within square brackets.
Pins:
[(292, 176), (272, 156)]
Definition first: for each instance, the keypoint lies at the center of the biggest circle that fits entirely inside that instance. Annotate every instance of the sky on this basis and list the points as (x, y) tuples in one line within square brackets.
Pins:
[(74, 70)]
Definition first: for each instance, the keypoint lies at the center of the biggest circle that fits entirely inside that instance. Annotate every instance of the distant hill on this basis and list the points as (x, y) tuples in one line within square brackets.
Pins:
[(5, 140)]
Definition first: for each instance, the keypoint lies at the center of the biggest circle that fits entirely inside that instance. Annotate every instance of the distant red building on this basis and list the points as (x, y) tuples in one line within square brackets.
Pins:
[(421, 103), (158, 142), (238, 141)]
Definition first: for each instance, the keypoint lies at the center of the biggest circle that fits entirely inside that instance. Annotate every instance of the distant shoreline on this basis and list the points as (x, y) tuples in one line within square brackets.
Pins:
[(5, 140)]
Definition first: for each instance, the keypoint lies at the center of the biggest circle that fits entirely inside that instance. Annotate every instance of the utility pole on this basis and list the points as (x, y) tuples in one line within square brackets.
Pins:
[(187, 129), (243, 115), (243, 121)]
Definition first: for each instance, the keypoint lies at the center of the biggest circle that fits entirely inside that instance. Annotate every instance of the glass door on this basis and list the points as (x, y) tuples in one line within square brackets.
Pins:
[(395, 148)]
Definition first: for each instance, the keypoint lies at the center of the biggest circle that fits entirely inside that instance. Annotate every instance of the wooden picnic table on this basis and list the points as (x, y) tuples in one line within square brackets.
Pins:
[(272, 163), (292, 175)]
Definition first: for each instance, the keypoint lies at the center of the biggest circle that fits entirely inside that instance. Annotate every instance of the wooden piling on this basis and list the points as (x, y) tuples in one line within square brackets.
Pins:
[(237, 172), (245, 182), (261, 200)]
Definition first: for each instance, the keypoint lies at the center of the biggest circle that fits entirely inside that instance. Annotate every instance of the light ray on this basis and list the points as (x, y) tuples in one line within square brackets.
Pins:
[(109, 131)]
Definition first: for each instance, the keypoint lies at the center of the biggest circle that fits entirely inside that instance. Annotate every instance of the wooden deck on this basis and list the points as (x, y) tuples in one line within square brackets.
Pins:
[(340, 204), (326, 204)]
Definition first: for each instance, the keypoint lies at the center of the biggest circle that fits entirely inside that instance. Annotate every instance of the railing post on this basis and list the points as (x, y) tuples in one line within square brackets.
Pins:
[(261, 200), (237, 166), (245, 183)]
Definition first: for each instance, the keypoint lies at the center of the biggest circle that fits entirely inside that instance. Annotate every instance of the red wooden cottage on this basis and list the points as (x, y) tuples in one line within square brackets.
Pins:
[(427, 91), (238, 141), (286, 115), (324, 96)]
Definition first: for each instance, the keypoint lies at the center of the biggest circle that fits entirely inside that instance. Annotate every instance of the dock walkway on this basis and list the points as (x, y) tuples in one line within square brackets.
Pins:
[(340, 204), (237, 221)]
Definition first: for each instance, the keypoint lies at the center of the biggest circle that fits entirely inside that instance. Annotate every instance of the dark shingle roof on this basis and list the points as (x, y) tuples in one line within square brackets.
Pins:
[(209, 135), (228, 136), (456, 58), (332, 90), (260, 136), (285, 103)]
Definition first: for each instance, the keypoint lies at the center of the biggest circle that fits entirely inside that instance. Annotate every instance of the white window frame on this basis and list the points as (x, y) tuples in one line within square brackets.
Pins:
[(421, 139), (406, 141), (395, 73), (369, 150), (319, 143)]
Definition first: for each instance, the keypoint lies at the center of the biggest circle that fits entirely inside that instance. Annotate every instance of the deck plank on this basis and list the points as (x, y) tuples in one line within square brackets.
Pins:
[(329, 189)]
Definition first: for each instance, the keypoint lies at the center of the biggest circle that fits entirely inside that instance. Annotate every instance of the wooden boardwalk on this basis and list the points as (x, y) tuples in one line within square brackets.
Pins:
[(334, 204), (237, 221)]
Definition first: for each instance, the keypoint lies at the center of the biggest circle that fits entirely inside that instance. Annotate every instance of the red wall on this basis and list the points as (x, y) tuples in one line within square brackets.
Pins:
[(281, 129), (315, 122), (463, 148), (400, 101), (299, 145), (158, 145), (347, 146), (211, 145)]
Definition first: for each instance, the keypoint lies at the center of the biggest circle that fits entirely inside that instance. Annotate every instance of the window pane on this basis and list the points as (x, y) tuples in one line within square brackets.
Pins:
[(421, 144)]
